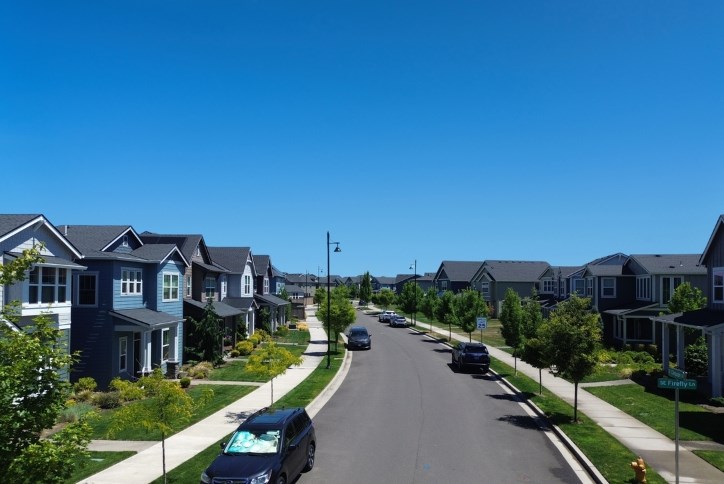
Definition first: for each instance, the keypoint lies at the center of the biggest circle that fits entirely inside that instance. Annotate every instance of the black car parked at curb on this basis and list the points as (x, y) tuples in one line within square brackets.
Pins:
[(271, 446), (471, 355), (358, 338)]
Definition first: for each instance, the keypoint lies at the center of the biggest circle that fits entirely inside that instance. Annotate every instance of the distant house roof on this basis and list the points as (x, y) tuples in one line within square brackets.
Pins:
[(566, 271), (232, 258), (670, 263), (221, 309), (386, 281), (261, 262), (300, 278), (604, 271), (158, 252), (146, 317), (211, 267), (186, 243), (243, 303), (515, 271), (400, 278), (292, 288), (461, 271), (271, 299), (93, 239), (701, 318)]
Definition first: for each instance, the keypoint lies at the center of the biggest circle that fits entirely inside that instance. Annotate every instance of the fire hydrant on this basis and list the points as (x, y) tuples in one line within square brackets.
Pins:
[(639, 468)]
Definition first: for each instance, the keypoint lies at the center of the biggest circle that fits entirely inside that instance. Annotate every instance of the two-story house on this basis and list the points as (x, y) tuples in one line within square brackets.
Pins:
[(708, 322), (455, 276), (274, 306), (494, 277), (128, 306), (47, 289), (239, 262)]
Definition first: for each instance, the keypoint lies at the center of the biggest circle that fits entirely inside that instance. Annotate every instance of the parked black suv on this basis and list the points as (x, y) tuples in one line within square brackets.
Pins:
[(471, 355), (271, 446)]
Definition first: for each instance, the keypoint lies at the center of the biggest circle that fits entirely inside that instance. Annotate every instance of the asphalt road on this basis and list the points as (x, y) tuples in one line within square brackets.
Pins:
[(403, 415)]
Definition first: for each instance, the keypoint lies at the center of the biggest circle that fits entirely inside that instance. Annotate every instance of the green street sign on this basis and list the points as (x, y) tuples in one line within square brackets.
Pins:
[(677, 373), (677, 384)]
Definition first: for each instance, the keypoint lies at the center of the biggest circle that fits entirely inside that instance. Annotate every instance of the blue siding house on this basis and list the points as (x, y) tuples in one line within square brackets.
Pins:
[(128, 304)]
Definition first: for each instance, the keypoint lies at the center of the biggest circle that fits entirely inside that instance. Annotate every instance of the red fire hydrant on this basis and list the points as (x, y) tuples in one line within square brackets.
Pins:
[(639, 468)]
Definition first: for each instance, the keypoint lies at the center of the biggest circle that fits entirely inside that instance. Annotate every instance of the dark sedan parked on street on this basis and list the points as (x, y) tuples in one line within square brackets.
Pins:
[(471, 355), (358, 338)]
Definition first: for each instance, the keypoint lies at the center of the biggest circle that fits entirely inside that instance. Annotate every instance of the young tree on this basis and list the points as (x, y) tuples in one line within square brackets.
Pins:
[(270, 361), (385, 298), (410, 298), (532, 316), (696, 357), (445, 311), (470, 306), (428, 305), (320, 297), (342, 312), (686, 298), (33, 391), (168, 405), (569, 339), (365, 288), (207, 336), (511, 319), (534, 355), (288, 308)]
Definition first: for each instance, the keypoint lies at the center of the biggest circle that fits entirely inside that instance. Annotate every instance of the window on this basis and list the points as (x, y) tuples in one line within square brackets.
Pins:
[(170, 287), (668, 286), (562, 289), (87, 294), (210, 287), (718, 274), (165, 343), (579, 287), (643, 288), (247, 285), (131, 282), (188, 286), (123, 354), (608, 287), (125, 241), (223, 287), (589, 287), (443, 285), (47, 285), (549, 285), (485, 289), (266, 286)]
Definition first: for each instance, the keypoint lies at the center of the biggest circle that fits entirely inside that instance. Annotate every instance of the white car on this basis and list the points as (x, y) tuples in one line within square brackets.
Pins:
[(386, 316)]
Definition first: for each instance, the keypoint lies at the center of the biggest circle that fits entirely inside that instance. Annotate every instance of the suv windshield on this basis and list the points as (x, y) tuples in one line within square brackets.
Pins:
[(358, 333), (475, 349), (251, 441)]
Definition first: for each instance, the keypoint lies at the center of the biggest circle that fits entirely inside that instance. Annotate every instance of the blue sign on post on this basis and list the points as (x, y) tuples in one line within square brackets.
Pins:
[(482, 323)]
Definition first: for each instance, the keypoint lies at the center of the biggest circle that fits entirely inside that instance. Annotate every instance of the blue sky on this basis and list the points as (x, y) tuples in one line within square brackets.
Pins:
[(428, 130)]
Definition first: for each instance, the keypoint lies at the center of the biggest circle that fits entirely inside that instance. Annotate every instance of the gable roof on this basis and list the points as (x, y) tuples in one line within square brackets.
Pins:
[(717, 228), (262, 263), (670, 263), (93, 239), (158, 252), (233, 258), (515, 270), (10, 224), (604, 271), (385, 281), (186, 243), (456, 270)]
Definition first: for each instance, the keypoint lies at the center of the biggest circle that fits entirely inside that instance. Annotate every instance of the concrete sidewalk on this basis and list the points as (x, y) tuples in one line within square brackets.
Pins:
[(657, 450), (145, 466)]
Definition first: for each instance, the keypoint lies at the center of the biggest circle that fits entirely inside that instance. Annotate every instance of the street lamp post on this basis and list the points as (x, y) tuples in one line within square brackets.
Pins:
[(329, 301), (414, 310)]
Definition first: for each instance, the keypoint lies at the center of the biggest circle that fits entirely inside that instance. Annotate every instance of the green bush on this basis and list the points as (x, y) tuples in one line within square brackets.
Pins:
[(234, 353), (127, 391), (74, 412), (107, 400), (244, 347), (201, 370), (84, 396), (696, 358), (282, 331), (717, 402), (85, 383), (185, 382)]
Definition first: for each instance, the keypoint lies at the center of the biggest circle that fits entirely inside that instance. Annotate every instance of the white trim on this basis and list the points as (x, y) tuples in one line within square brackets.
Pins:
[(136, 282), (604, 288), (643, 288), (171, 275), (672, 287), (189, 285), (714, 272), (166, 331), (122, 354)]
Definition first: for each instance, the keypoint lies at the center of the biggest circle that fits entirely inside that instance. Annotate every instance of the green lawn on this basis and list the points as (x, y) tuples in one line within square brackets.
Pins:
[(293, 336), (300, 396), (234, 370), (223, 396), (657, 411), (491, 335), (96, 463), (712, 457)]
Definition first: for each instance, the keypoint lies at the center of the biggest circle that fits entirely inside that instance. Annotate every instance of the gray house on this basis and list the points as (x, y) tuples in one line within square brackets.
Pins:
[(494, 277), (455, 275), (709, 322)]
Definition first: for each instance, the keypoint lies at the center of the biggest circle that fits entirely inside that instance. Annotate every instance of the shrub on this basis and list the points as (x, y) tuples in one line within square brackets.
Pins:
[(84, 396), (244, 347), (282, 331), (234, 353), (254, 339), (717, 402), (73, 413), (201, 370), (625, 372), (696, 358), (625, 358), (263, 335), (604, 356), (185, 382), (127, 391), (303, 327), (107, 400), (85, 383)]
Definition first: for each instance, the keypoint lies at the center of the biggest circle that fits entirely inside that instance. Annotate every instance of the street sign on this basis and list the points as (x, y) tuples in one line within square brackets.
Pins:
[(677, 384), (677, 374), (482, 323)]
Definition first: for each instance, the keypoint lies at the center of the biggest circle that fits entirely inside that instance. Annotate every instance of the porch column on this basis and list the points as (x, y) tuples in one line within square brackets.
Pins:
[(715, 363), (624, 320), (680, 347), (173, 355), (665, 347), (146, 349)]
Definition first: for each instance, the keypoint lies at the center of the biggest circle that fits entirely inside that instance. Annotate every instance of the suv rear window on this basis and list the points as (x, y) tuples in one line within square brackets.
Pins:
[(476, 349)]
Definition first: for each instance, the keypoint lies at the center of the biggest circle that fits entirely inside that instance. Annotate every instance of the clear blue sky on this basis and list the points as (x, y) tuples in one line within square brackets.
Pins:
[(429, 130)]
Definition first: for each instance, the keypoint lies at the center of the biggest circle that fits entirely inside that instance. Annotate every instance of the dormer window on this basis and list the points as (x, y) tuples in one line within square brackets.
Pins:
[(718, 288), (124, 243), (197, 253)]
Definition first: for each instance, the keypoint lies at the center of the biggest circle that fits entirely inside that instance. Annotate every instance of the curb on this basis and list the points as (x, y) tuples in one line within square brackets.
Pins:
[(326, 394), (594, 473)]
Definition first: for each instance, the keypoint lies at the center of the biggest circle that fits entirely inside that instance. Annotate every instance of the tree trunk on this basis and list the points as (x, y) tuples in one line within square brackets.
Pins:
[(272, 391), (540, 381), (515, 364), (163, 457), (575, 402)]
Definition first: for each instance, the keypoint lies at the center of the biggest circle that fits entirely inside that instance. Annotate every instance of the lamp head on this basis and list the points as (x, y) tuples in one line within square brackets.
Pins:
[(337, 249)]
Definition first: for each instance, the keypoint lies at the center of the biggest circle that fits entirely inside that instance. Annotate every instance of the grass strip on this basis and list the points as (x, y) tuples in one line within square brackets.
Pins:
[(96, 462), (713, 457), (608, 455), (300, 396)]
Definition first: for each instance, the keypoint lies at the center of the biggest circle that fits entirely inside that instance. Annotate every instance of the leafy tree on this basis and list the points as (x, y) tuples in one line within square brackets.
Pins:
[(385, 298), (686, 298), (428, 305), (532, 316), (342, 312), (365, 288), (533, 354), (511, 320), (353, 291), (410, 298), (270, 361), (207, 336), (445, 311), (569, 340), (696, 357), (33, 391), (320, 296), (288, 308), (167, 406), (470, 306)]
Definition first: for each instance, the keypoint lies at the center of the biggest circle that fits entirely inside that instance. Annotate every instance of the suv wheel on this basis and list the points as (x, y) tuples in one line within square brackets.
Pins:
[(282, 480), (310, 458)]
